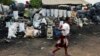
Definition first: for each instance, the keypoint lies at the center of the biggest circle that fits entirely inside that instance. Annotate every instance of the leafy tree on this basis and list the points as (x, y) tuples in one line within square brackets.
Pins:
[(36, 3), (6, 2)]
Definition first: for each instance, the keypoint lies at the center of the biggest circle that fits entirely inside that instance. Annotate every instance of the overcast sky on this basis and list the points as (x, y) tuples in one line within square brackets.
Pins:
[(93, 1), (90, 1), (22, 1)]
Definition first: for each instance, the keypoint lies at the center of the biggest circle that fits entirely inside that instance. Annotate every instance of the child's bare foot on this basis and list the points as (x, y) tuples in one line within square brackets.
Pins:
[(52, 54), (68, 55)]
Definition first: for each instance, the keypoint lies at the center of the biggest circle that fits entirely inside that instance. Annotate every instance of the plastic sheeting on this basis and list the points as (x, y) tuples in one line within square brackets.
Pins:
[(36, 23), (15, 14), (79, 22), (36, 16), (49, 32), (12, 30), (43, 20), (60, 13), (56, 13), (21, 27), (65, 13), (8, 24), (52, 12), (69, 13), (48, 12), (36, 20), (5, 8), (43, 12)]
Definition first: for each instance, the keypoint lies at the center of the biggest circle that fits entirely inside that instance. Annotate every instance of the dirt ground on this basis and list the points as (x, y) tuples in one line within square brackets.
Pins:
[(86, 43)]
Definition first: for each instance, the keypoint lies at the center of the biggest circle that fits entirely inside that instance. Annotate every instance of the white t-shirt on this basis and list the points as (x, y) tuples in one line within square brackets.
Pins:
[(61, 23), (66, 28)]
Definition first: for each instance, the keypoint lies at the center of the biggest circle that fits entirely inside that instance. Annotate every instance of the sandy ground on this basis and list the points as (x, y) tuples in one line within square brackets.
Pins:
[(81, 44)]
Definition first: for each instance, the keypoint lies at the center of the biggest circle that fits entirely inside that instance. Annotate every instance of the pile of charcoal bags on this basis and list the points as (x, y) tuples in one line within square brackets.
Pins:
[(95, 12), (3, 28)]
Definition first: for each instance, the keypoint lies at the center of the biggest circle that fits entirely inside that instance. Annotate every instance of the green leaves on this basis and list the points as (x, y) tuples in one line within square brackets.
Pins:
[(6, 2), (36, 3)]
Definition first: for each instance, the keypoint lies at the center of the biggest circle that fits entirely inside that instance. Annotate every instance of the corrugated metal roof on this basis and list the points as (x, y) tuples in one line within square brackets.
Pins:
[(57, 2)]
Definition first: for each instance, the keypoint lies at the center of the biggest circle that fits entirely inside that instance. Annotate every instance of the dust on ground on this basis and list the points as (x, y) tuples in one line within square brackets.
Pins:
[(86, 43)]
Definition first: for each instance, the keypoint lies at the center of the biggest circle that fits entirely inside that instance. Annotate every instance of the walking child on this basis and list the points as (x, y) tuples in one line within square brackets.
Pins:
[(63, 39)]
